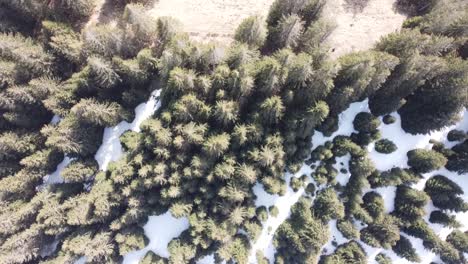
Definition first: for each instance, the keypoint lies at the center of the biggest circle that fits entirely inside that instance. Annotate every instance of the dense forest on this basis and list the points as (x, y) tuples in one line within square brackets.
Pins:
[(229, 118)]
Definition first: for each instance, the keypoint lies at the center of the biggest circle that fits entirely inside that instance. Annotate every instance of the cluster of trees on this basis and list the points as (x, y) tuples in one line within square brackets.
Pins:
[(229, 118)]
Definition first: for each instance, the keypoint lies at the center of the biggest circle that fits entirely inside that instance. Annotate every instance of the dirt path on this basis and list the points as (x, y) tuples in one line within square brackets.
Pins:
[(360, 23), (359, 29), (207, 20)]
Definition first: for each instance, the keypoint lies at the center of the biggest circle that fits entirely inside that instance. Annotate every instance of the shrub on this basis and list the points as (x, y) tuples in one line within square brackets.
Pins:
[(381, 258), (152, 258), (459, 240), (262, 213), (385, 146), (252, 32), (456, 135), (366, 122), (405, 249), (374, 204), (381, 233), (327, 206), (273, 211), (301, 237), (347, 228), (444, 194), (310, 189), (393, 177), (423, 161), (350, 252), (439, 217), (388, 119)]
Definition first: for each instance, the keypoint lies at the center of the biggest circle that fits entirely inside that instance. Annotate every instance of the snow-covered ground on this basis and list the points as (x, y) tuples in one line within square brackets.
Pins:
[(111, 149), (405, 142), (283, 203), (160, 230)]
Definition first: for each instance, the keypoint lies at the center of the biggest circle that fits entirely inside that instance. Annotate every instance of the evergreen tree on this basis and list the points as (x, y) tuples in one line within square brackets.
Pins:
[(251, 31), (96, 113)]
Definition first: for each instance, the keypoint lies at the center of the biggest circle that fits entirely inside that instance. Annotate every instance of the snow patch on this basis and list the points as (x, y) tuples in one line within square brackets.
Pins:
[(284, 203), (342, 178), (111, 149), (56, 177), (160, 230), (345, 123)]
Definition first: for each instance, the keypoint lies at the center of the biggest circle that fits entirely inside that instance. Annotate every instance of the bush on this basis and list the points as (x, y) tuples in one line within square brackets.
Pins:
[(388, 119), (252, 32), (327, 206), (366, 122), (295, 244), (350, 252), (381, 258), (405, 249), (456, 135), (459, 240), (381, 233), (423, 161), (347, 228), (439, 217), (273, 211), (262, 213), (385, 146), (444, 194), (393, 177)]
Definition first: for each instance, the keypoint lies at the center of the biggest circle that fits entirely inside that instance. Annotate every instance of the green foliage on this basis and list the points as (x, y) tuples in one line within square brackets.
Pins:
[(79, 170), (327, 206), (405, 249), (385, 146), (423, 161), (97, 113), (409, 203), (394, 177), (350, 252), (388, 119), (366, 122), (439, 217), (444, 194), (381, 233), (347, 228), (300, 238), (152, 258), (456, 135), (381, 258), (459, 240), (226, 121), (251, 31)]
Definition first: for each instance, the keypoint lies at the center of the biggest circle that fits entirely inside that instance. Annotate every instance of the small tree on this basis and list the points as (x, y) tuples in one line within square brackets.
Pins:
[(423, 161), (252, 32)]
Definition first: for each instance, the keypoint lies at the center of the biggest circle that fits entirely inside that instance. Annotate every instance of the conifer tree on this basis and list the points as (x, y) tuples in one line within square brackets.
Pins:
[(251, 31)]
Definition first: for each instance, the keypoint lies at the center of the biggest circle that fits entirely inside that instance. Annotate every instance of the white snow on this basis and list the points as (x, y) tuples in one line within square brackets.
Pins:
[(342, 178), (81, 260), (406, 142), (55, 120), (55, 177), (284, 204), (335, 236), (207, 260), (111, 149), (345, 123), (160, 230), (388, 194)]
